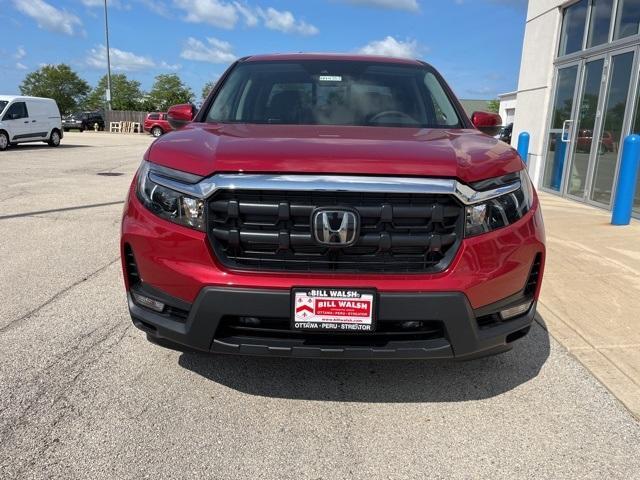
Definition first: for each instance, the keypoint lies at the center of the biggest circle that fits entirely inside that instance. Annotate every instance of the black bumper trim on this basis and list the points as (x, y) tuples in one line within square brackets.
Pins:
[(463, 338)]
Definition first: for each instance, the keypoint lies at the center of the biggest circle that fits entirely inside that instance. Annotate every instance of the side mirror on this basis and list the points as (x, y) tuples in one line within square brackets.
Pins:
[(486, 122), (179, 115)]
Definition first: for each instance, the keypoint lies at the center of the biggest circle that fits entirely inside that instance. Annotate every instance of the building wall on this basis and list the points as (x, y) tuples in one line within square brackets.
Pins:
[(536, 77)]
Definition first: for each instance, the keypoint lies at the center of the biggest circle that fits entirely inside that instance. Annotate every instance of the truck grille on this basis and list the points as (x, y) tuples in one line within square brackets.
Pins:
[(271, 231)]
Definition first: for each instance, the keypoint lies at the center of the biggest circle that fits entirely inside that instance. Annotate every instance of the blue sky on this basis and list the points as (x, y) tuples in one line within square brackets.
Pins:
[(476, 44)]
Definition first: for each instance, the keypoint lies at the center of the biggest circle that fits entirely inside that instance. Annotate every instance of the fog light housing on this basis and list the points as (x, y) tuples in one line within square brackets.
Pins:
[(516, 311), (250, 321), (411, 325), (147, 302)]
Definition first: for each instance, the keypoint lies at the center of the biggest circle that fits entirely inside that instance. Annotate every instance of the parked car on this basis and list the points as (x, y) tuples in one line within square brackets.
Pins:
[(584, 141), (29, 119), (506, 133), (333, 206), (156, 124), (83, 121)]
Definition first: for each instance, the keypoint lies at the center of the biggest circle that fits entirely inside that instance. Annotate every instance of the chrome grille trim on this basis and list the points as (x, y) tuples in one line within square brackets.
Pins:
[(328, 183)]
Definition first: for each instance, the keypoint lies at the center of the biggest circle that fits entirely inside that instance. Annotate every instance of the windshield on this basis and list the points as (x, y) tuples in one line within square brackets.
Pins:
[(317, 92), (3, 103)]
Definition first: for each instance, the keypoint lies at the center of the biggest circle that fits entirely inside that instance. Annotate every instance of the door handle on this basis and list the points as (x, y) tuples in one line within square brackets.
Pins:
[(26, 121), (33, 121), (566, 132)]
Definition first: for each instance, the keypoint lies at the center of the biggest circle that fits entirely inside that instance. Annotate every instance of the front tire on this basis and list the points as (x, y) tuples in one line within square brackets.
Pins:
[(156, 132), (4, 141), (54, 139)]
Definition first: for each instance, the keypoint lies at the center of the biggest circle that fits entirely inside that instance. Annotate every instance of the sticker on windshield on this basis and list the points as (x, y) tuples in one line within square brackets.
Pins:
[(330, 78)]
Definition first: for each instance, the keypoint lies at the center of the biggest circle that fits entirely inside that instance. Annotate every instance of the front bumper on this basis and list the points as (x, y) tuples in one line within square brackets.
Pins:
[(457, 331), (176, 265)]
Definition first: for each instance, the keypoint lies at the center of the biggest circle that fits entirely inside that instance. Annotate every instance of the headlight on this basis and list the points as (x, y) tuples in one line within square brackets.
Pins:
[(500, 211), (169, 204)]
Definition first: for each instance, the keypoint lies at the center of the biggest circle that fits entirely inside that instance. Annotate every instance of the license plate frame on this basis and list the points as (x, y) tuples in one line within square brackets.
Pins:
[(327, 317)]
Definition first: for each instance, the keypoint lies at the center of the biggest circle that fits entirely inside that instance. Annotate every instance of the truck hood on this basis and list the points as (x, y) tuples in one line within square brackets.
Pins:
[(205, 149)]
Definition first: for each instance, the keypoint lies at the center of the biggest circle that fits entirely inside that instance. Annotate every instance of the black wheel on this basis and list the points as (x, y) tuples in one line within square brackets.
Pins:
[(4, 141), (54, 139), (156, 131)]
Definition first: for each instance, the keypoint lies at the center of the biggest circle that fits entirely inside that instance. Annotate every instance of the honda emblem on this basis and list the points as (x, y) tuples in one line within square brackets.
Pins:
[(335, 227)]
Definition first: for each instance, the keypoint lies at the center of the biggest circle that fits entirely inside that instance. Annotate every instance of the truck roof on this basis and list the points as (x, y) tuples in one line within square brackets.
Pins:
[(10, 98), (332, 56)]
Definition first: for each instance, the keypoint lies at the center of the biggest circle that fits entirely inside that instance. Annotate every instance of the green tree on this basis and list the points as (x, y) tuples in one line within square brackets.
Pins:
[(147, 104), (125, 94), (58, 82), (206, 90), (493, 106), (169, 90)]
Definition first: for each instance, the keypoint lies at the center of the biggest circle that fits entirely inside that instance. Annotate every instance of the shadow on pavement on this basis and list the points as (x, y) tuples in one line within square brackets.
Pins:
[(38, 146), (396, 381)]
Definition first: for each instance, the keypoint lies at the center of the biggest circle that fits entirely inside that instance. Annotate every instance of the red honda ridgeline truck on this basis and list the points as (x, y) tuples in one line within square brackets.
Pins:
[(332, 206)]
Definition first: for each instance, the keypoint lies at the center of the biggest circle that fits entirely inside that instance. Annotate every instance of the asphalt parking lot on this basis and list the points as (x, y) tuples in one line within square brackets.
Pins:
[(83, 395)]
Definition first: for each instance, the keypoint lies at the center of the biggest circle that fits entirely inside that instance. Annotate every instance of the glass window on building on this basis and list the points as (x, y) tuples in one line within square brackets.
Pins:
[(562, 108), (614, 114), (573, 26), (636, 129), (600, 22), (627, 19)]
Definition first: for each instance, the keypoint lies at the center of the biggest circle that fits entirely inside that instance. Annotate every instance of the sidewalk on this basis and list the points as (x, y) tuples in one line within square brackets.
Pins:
[(590, 297)]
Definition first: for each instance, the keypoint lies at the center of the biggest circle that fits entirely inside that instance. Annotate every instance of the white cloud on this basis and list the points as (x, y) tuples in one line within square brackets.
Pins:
[(391, 47), (100, 3), (284, 21), (409, 5), (20, 53), (250, 16), (170, 66), (21, 66), (226, 15), (49, 17), (214, 51), (120, 60), (156, 6), (214, 12)]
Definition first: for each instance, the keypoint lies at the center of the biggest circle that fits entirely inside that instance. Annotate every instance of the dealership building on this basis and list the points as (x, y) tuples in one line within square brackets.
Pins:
[(578, 95)]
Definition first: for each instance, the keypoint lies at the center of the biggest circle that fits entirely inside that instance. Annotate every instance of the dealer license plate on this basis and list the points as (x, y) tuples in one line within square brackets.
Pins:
[(333, 309)]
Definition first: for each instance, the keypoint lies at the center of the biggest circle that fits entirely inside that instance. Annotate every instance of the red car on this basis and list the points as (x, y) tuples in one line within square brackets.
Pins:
[(332, 206), (585, 140), (156, 124)]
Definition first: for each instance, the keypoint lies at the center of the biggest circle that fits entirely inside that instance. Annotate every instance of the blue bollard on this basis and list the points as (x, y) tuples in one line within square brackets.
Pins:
[(558, 162), (625, 191), (523, 146)]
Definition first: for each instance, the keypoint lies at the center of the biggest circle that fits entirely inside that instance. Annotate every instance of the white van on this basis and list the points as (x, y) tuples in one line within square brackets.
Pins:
[(29, 119)]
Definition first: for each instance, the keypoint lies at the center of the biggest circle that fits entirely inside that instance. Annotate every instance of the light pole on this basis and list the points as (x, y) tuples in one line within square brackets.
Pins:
[(106, 32)]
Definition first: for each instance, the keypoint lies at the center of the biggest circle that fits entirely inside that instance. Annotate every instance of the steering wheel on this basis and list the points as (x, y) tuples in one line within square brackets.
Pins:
[(391, 113)]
